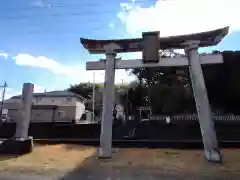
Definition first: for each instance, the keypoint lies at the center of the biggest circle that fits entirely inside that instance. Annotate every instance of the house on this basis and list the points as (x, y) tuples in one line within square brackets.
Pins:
[(53, 106)]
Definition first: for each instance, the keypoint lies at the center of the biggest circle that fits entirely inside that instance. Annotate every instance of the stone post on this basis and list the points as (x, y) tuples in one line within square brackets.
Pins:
[(23, 122), (209, 137), (105, 150)]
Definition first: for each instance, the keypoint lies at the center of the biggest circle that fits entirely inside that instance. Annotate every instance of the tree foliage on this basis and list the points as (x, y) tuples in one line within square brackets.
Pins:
[(168, 90), (223, 83), (83, 89)]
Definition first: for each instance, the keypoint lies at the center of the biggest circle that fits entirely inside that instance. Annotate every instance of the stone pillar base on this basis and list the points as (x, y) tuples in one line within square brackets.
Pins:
[(101, 155), (16, 146), (214, 156)]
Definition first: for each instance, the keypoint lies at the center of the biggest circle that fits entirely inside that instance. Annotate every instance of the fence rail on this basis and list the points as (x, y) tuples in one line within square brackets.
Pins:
[(192, 117), (195, 117)]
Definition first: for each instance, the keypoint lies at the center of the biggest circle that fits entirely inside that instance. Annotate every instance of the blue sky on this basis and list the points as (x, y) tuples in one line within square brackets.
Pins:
[(40, 38)]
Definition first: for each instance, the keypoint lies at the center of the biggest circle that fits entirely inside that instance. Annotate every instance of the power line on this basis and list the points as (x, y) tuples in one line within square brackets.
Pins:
[(85, 13), (46, 5), (58, 15), (92, 26), (92, 30), (69, 14), (91, 22), (53, 33)]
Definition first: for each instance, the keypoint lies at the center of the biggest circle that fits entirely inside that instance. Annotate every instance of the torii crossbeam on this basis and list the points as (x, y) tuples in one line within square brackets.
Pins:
[(165, 62), (150, 44)]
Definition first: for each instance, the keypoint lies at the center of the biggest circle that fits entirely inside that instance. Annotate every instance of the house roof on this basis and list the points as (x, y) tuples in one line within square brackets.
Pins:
[(55, 94)]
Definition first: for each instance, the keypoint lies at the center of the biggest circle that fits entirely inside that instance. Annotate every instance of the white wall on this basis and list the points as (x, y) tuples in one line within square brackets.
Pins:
[(69, 109), (80, 109), (59, 101), (65, 113), (42, 115), (14, 115)]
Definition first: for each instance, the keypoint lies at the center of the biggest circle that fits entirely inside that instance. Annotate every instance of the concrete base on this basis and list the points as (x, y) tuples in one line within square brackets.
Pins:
[(16, 146), (214, 156)]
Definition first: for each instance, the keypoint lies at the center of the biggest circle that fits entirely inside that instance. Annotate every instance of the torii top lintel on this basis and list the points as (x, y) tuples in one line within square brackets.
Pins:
[(209, 38)]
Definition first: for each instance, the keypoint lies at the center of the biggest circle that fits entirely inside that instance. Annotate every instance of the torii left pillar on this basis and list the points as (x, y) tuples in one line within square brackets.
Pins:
[(23, 123), (21, 143), (105, 150)]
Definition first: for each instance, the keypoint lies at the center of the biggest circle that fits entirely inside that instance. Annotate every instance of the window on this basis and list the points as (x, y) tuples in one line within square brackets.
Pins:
[(84, 116), (145, 114), (68, 99), (61, 114), (38, 99)]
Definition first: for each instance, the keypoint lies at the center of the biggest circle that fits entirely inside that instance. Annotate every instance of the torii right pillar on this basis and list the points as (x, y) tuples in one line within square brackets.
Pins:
[(211, 149)]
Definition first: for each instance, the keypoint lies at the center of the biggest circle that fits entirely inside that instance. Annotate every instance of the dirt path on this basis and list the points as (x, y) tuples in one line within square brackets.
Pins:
[(72, 162)]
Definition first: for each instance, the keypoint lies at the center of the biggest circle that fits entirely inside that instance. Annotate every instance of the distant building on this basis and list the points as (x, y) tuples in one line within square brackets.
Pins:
[(54, 106)]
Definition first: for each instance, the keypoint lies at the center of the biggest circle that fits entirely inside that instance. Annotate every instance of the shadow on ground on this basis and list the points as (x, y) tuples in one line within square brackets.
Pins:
[(76, 147), (135, 164), (7, 157)]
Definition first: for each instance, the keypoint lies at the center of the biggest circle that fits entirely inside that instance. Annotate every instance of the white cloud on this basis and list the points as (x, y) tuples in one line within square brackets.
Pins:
[(175, 17), (3, 54), (40, 3), (18, 91), (10, 92), (75, 73), (44, 62), (40, 89), (111, 25)]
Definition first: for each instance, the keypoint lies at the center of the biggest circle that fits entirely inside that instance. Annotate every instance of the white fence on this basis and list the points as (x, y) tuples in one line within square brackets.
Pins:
[(193, 117)]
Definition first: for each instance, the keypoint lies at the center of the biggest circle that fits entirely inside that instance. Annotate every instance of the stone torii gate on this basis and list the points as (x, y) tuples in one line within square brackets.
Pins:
[(150, 44)]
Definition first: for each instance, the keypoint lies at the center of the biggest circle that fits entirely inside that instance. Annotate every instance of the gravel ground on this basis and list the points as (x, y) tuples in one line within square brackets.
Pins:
[(109, 174), (65, 162), (138, 174), (25, 176)]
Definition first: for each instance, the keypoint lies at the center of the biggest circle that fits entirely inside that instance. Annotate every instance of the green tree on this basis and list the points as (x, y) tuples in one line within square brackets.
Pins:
[(169, 91), (83, 89), (223, 83)]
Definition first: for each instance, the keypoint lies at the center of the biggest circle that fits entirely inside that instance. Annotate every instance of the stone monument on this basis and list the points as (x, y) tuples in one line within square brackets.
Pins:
[(21, 143), (150, 44)]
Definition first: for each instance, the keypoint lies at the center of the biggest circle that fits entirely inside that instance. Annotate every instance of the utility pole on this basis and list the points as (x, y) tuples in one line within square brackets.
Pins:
[(94, 94), (3, 96), (93, 97), (126, 103)]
